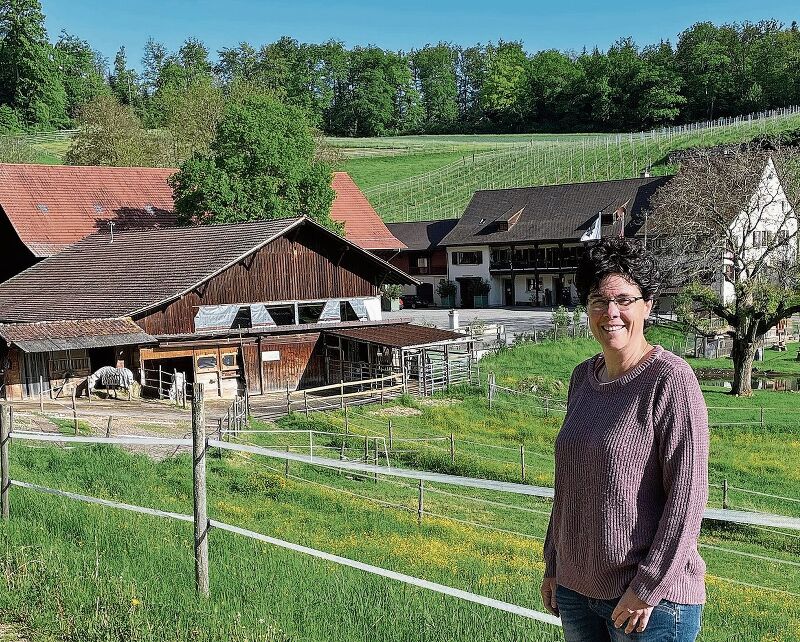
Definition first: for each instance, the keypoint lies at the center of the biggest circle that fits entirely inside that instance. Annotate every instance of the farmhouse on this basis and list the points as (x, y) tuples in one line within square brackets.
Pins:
[(424, 257), (254, 306), (525, 242), (45, 208)]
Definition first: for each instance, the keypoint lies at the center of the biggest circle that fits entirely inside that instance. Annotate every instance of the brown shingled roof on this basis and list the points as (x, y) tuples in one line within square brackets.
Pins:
[(142, 269), (362, 225), (69, 335), (52, 206), (401, 335)]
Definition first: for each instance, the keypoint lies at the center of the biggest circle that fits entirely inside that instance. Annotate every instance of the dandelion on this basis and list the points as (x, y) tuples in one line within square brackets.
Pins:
[(135, 602)]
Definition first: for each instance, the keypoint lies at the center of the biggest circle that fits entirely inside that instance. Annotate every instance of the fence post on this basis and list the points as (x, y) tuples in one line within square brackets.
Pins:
[(160, 394), (288, 399), (41, 393), (391, 436), (230, 420), (286, 465), (491, 389), (725, 493), (375, 459), (311, 444), (346, 424), (201, 525), (547, 406), (420, 502), (366, 449), (522, 461), (89, 390), (108, 426), (74, 412), (305, 402), (341, 392), (175, 385), (452, 449), (219, 437), (183, 392), (5, 438), (762, 416)]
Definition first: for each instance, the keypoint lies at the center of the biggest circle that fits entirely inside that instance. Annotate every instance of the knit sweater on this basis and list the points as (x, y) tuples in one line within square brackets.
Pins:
[(631, 483)]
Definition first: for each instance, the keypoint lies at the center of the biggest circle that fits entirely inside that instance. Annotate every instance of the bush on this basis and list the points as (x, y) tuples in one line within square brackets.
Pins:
[(560, 318), (446, 288), (483, 287), (392, 291), (577, 315)]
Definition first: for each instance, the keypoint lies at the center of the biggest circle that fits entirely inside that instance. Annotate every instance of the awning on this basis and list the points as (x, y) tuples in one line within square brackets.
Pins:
[(401, 335), (50, 336)]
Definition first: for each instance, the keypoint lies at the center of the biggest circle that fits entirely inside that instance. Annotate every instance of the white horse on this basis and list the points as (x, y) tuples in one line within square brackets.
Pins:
[(110, 377)]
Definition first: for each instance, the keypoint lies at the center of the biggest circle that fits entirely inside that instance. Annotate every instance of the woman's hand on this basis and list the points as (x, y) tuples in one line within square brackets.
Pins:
[(631, 608), (548, 591)]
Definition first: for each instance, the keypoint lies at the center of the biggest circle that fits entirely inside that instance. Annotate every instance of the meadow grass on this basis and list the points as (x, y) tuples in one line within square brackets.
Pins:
[(78, 572), (368, 172)]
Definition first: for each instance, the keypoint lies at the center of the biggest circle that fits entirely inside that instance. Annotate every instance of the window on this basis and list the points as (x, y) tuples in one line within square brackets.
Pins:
[(310, 312), (243, 318), (230, 361), (530, 285), (422, 261), (467, 258), (783, 235), (282, 314), (346, 312), (207, 362)]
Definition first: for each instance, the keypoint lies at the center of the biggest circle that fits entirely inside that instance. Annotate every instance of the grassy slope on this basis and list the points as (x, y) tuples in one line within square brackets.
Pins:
[(368, 172)]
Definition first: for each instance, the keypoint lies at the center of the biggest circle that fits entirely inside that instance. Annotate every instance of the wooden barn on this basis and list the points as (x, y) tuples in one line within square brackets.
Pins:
[(258, 306)]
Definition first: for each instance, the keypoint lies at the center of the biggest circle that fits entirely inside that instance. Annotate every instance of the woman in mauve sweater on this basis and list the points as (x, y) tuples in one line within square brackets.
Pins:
[(631, 478)]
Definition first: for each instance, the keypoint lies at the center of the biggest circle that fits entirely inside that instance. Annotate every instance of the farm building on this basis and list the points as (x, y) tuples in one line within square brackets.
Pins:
[(525, 242), (254, 306), (45, 208), (425, 258)]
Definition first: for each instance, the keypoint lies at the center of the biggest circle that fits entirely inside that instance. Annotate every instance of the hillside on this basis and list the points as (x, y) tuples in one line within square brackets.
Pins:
[(445, 191)]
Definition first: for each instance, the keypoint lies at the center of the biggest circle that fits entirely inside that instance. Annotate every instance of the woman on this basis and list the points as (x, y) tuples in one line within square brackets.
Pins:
[(631, 470)]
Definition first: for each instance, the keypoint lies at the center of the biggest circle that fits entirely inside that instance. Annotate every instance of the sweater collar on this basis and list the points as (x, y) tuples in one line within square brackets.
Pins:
[(597, 362)]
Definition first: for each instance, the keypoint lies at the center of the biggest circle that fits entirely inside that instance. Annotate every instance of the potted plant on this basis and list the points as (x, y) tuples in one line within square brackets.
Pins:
[(482, 289), (390, 297), (447, 291)]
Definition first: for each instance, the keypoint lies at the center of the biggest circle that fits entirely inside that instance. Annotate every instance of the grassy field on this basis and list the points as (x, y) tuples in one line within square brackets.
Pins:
[(78, 572)]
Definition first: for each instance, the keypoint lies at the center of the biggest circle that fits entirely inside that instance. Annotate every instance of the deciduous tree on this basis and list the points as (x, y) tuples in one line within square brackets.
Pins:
[(727, 230), (261, 165)]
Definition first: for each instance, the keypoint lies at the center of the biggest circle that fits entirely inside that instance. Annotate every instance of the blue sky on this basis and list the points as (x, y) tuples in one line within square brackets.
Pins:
[(565, 25)]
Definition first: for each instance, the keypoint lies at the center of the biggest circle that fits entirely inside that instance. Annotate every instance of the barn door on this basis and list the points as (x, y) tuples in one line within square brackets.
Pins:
[(35, 367), (251, 358)]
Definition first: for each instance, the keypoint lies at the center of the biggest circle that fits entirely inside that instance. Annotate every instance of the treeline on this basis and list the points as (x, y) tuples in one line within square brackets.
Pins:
[(711, 71)]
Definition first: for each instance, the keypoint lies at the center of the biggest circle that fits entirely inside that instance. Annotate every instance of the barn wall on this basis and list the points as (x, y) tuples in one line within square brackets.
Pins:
[(306, 268), (296, 359)]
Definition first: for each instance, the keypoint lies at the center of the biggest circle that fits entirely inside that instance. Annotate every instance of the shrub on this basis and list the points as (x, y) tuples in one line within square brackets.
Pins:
[(392, 291), (560, 318), (446, 288)]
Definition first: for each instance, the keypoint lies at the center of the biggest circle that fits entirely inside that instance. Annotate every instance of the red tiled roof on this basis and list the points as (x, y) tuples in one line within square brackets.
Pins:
[(52, 206), (67, 335), (362, 225)]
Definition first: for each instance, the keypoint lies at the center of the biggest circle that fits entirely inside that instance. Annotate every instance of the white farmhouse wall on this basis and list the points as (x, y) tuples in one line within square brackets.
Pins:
[(477, 271)]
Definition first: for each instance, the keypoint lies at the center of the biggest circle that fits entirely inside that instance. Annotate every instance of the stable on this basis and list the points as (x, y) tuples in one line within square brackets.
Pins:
[(244, 307)]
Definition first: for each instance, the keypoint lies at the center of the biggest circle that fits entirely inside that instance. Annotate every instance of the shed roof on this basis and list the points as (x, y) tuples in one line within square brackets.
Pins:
[(362, 225), (422, 235), (551, 212), (140, 270), (53, 206), (401, 335), (69, 335)]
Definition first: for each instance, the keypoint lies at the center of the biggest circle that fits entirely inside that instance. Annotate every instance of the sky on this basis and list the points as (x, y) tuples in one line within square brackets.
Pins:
[(565, 25)]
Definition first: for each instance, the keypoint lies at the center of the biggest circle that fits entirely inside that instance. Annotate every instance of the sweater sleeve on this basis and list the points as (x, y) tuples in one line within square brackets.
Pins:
[(681, 427), (549, 546)]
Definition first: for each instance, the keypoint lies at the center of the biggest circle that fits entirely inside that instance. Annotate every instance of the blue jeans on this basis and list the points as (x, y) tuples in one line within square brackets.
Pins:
[(585, 619)]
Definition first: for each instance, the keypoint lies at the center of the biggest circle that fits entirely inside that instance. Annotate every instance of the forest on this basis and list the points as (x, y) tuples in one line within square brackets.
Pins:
[(710, 71)]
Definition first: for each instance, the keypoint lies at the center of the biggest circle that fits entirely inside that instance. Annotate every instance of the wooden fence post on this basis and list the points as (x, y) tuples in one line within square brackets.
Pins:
[(346, 424), (108, 426), (89, 390), (160, 383), (725, 493), (522, 462), (219, 437), (74, 412), (375, 458), (183, 393), (366, 449), (41, 393), (286, 465), (420, 502), (341, 392), (5, 432), (381, 390), (391, 436), (288, 398), (762, 416), (201, 524), (175, 385), (311, 444), (305, 402), (452, 449)]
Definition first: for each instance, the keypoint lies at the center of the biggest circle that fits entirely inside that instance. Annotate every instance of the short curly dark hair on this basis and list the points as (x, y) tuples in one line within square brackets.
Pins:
[(625, 256)]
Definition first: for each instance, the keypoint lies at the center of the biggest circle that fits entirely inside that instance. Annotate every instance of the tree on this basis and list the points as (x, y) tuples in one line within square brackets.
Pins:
[(110, 134), (29, 77), (435, 70), (82, 71), (551, 78), (727, 231), (503, 86), (153, 60), (261, 165), (659, 86), (124, 81)]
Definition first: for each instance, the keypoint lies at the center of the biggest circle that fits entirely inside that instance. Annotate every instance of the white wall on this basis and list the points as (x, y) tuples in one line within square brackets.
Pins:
[(477, 271)]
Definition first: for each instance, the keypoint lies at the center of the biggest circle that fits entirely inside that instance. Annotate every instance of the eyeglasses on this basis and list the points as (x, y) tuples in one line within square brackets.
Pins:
[(599, 304)]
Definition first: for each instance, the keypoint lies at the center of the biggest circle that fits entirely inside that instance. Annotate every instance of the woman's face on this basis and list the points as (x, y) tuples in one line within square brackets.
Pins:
[(618, 327)]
